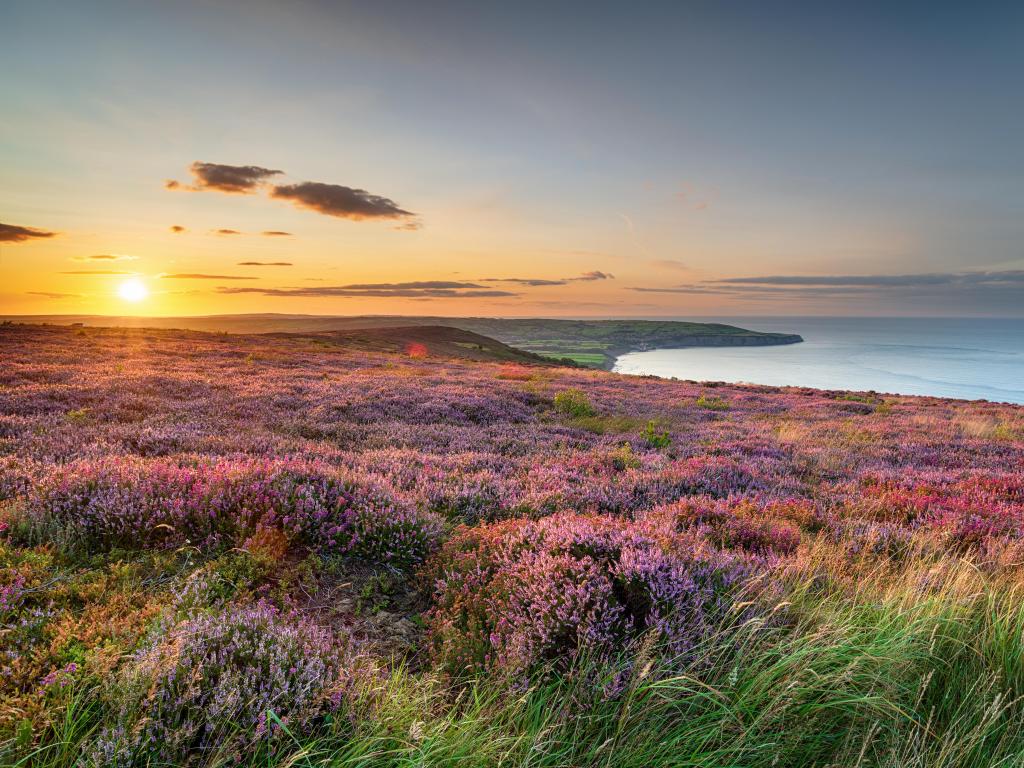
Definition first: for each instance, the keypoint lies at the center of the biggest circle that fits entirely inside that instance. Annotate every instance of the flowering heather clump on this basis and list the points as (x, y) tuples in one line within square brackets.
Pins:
[(221, 682), (135, 503), (513, 595), (742, 523), (395, 533)]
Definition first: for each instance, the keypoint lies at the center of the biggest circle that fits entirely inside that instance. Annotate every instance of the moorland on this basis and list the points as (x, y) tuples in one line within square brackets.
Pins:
[(591, 343), (391, 549)]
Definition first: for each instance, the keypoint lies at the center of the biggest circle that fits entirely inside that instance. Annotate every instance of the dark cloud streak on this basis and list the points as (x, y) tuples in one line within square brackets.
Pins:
[(883, 281), (54, 294), (541, 281), (97, 272), (233, 179), (420, 290), (340, 201), (12, 233), (204, 276)]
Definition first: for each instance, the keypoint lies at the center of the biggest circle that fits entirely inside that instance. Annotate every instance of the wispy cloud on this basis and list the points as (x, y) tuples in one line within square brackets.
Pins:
[(543, 281), (275, 233), (204, 276), (233, 179), (105, 257), (226, 232), (423, 289), (178, 229), (417, 284), (106, 272), (980, 291), (593, 275), (54, 294), (340, 201), (264, 264), (529, 281), (1006, 277), (12, 233)]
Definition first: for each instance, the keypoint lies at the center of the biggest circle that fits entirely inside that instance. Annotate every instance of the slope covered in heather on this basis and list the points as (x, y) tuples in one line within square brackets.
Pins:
[(369, 549)]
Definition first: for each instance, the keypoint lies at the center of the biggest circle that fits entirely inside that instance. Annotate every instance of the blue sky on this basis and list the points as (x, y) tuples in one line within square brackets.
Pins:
[(674, 147)]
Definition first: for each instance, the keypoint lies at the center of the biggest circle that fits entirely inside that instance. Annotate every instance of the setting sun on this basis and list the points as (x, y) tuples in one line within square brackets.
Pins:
[(133, 290)]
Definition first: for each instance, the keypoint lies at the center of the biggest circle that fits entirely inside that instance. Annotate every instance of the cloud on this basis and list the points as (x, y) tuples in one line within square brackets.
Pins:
[(276, 233), (54, 295), (542, 281), (177, 229), (417, 284), (328, 199), (1007, 277), (226, 232), (97, 272), (106, 257), (12, 233), (409, 226), (531, 281), (340, 201), (983, 290), (233, 179), (593, 275), (204, 276), (264, 264), (427, 289)]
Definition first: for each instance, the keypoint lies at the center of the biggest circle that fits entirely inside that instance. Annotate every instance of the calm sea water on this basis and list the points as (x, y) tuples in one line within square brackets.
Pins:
[(965, 358)]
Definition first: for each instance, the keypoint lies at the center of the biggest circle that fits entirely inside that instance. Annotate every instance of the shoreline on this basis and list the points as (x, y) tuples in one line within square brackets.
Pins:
[(612, 354)]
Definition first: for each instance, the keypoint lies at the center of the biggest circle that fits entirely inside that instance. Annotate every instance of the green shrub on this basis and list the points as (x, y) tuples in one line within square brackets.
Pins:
[(713, 403), (656, 438), (574, 403)]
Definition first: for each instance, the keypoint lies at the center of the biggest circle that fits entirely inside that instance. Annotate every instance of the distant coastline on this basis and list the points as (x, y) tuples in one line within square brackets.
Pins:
[(963, 358), (759, 340)]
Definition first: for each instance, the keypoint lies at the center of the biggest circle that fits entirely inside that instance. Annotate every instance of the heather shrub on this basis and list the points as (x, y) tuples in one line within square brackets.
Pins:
[(742, 523), (392, 532), (860, 538), (223, 683), (135, 503), (573, 403), (516, 596), (718, 476)]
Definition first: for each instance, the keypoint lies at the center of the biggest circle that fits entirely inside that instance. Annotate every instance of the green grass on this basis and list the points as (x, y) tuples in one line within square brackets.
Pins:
[(583, 358), (857, 666)]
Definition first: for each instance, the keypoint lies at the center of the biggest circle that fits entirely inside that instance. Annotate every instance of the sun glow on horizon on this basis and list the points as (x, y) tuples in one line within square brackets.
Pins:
[(133, 290)]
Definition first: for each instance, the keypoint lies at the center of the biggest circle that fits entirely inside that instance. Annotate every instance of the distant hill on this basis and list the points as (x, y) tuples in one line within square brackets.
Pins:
[(594, 343), (425, 340)]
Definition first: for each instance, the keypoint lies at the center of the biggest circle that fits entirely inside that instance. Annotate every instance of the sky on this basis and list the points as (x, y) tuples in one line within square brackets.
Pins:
[(587, 159)]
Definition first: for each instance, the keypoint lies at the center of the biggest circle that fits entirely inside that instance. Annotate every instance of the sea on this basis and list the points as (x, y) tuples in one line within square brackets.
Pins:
[(968, 358)]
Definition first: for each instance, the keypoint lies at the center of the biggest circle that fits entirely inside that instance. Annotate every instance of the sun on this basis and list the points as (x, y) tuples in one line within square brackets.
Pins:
[(133, 290)]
